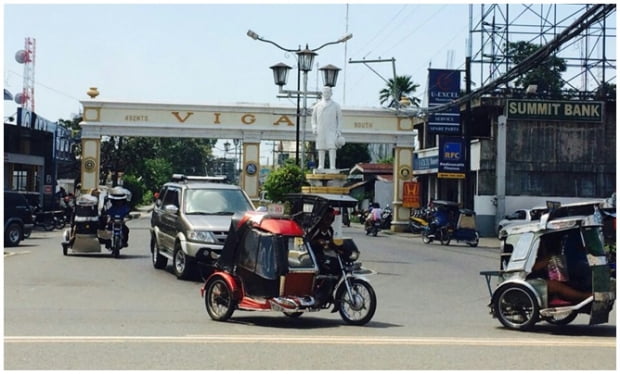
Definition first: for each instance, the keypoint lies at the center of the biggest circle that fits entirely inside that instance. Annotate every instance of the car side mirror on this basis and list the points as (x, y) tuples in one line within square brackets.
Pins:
[(172, 209)]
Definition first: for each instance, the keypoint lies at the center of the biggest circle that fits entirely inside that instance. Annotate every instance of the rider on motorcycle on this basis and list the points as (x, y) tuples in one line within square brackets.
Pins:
[(374, 215), (117, 205)]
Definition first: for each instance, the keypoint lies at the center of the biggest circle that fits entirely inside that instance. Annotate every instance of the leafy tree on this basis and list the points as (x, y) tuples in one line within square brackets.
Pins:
[(546, 75), (351, 154), (156, 172), (286, 179), (388, 160), (404, 87)]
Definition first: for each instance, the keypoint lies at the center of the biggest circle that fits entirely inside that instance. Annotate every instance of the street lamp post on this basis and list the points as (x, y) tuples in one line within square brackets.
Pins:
[(305, 58)]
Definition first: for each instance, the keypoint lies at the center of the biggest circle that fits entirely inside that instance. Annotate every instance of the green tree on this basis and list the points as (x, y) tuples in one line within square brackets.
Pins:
[(286, 179), (547, 75), (404, 87), (351, 154)]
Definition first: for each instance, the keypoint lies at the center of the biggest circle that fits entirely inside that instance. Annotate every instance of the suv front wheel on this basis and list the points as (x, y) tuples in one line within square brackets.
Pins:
[(181, 263), (13, 235)]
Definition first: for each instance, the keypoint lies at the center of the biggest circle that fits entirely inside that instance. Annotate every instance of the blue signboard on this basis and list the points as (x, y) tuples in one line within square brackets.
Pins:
[(443, 88), (451, 157)]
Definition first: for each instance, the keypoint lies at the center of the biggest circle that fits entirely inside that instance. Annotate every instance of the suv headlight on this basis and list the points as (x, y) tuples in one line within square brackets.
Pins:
[(201, 236)]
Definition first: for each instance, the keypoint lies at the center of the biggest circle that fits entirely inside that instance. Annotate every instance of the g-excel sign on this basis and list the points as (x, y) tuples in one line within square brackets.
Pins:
[(585, 111)]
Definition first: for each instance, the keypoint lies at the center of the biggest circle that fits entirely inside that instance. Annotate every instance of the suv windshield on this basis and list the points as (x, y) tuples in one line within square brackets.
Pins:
[(216, 201)]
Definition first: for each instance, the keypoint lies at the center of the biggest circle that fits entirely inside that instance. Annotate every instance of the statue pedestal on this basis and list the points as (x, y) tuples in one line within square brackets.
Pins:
[(326, 181)]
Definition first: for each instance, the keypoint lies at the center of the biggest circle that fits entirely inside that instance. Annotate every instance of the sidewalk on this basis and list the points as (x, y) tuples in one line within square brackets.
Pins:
[(485, 242)]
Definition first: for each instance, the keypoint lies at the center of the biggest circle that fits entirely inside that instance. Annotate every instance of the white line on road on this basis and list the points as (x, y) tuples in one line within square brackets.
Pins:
[(603, 342)]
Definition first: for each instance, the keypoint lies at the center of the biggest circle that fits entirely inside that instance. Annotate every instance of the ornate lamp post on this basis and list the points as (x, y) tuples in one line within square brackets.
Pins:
[(305, 59)]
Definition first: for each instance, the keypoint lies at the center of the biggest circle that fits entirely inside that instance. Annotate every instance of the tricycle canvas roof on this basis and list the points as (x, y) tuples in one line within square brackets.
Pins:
[(269, 264), (553, 270)]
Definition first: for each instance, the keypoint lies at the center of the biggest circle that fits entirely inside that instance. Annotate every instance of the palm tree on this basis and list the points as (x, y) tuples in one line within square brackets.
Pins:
[(405, 88)]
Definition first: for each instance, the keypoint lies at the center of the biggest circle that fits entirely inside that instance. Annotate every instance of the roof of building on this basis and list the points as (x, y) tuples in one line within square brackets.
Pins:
[(368, 168)]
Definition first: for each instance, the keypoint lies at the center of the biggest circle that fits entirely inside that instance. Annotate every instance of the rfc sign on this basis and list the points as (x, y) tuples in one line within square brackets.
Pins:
[(588, 111)]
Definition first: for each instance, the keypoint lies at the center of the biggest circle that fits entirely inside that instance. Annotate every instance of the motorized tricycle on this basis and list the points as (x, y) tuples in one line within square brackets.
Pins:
[(450, 222), (91, 230), (269, 264), (553, 270)]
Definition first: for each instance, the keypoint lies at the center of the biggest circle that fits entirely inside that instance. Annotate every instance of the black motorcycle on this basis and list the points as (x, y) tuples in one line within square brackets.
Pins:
[(43, 219)]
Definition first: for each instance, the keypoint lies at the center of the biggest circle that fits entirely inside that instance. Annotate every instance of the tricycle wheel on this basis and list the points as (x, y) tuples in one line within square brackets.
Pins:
[(516, 307), (293, 314), (562, 320), (444, 236), (359, 307), (219, 299), (474, 242)]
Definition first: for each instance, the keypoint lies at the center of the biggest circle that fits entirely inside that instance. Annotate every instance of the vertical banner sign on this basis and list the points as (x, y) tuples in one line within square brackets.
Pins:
[(411, 195), (451, 158), (444, 87)]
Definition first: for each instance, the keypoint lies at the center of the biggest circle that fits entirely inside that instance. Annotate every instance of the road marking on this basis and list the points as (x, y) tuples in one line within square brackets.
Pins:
[(603, 342), (8, 253)]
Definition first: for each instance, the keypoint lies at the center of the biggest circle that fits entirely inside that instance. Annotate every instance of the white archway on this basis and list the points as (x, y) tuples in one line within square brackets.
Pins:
[(250, 123)]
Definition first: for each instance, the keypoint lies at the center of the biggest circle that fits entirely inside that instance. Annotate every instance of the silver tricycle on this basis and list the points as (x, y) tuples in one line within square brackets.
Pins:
[(91, 228), (554, 269)]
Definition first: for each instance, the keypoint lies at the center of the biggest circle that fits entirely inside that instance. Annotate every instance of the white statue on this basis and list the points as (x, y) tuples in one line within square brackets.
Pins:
[(326, 125)]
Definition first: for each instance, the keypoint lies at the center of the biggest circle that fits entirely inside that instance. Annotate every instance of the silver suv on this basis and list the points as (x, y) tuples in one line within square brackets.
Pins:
[(190, 221)]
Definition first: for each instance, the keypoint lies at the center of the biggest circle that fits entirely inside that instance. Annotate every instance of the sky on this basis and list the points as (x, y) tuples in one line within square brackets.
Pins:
[(199, 53)]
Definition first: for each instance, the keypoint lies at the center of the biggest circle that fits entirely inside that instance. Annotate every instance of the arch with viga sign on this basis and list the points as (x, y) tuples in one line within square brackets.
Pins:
[(250, 123)]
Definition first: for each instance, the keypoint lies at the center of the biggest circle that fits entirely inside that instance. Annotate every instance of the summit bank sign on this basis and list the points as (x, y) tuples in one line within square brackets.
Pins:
[(589, 111)]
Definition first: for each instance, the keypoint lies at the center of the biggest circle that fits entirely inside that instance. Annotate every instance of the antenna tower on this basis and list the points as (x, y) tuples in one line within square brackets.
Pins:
[(26, 57)]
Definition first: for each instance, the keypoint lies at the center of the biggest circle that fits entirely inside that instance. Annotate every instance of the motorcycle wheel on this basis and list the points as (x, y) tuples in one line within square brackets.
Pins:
[(516, 307), (219, 300), (375, 231), (59, 223), (425, 238), (361, 308), (48, 225)]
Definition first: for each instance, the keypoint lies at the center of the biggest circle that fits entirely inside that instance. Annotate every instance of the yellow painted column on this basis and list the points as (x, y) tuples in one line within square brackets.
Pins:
[(403, 172), (251, 169), (90, 164)]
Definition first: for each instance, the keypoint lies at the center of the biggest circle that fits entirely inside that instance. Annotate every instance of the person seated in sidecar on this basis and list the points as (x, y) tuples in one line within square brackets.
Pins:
[(117, 205), (570, 282)]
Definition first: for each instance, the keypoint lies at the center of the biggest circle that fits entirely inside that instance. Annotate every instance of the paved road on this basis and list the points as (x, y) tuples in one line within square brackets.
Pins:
[(97, 312)]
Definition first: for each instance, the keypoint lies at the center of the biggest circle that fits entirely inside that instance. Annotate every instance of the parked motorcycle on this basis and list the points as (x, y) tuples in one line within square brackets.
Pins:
[(419, 220), (386, 218), (43, 219)]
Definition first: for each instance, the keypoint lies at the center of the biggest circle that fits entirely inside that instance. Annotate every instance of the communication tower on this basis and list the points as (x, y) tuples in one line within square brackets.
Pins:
[(26, 57)]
